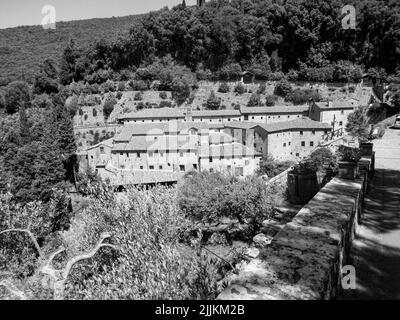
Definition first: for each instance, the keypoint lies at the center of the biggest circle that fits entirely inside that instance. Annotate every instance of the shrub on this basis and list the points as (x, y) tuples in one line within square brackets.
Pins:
[(262, 88), (255, 100), (272, 167), (223, 88), (213, 102), (232, 71), (139, 85), (270, 100), (283, 88), (302, 96), (163, 95), (165, 104), (140, 106), (304, 168), (240, 89), (323, 157), (208, 197), (108, 106), (138, 96), (121, 86), (119, 95), (349, 154)]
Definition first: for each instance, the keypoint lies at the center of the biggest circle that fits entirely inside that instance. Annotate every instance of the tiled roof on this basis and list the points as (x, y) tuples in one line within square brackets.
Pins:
[(168, 113), (301, 123), (216, 113), (274, 110)]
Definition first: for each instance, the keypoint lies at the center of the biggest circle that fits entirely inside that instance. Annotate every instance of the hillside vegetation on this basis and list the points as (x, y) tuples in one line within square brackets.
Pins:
[(23, 49)]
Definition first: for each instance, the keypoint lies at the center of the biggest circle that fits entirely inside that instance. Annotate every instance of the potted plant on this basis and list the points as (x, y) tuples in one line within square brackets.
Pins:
[(348, 162), (302, 182)]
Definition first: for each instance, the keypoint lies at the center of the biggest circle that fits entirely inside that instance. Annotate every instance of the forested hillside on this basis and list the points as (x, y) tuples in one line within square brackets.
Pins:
[(302, 38), (23, 49)]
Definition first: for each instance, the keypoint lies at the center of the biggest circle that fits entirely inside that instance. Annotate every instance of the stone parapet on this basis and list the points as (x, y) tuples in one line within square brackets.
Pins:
[(305, 259)]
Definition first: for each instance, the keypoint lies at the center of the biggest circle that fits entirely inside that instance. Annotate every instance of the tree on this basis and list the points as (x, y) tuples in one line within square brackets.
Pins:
[(213, 103), (255, 100), (108, 106), (357, 123), (272, 167), (283, 88), (17, 93), (46, 81)]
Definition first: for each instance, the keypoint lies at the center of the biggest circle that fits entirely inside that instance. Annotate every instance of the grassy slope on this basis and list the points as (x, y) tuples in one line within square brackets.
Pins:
[(22, 49)]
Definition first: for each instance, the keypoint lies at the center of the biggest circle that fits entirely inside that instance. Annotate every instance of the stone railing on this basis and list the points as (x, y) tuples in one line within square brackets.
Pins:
[(305, 259)]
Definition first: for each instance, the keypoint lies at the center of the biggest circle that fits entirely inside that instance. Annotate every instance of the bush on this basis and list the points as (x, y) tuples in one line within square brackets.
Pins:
[(108, 106), (232, 71), (223, 88), (262, 88), (254, 101), (213, 102), (270, 100), (139, 85), (121, 86), (302, 96), (165, 104), (208, 197), (283, 88), (163, 95), (349, 154), (240, 89), (323, 157), (119, 95), (272, 167), (140, 106), (138, 96)]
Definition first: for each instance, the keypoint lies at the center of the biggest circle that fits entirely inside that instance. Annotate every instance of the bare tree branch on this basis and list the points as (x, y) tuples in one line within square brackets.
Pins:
[(12, 289), (53, 255), (88, 255), (30, 234)]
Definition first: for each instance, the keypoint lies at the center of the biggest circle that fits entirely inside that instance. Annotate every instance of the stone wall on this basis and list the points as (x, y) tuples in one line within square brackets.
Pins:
[(304, 260)]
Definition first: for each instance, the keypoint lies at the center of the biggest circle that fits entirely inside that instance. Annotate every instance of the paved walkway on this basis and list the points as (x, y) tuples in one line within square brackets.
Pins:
[(376, 251)]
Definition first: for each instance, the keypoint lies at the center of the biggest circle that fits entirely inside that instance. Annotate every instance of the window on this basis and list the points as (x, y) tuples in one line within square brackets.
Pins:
[(151, 154), (313, 132), (91, 157), (288, 116), (138, 155), (301, 133), (229, 168), (160, 167), (252, 118), (246, 117), (311, 143), (211, 159), (290, 143), (340, 123), (303, 143), (121, 154), (181, 154), (182, 168), (342, 112), (195, 166), (102, 150), (297, 155), (151, 167)]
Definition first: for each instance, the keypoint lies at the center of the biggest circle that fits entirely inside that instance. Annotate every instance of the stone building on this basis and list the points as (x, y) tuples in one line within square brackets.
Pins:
[(334, 113), (176, 146)]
